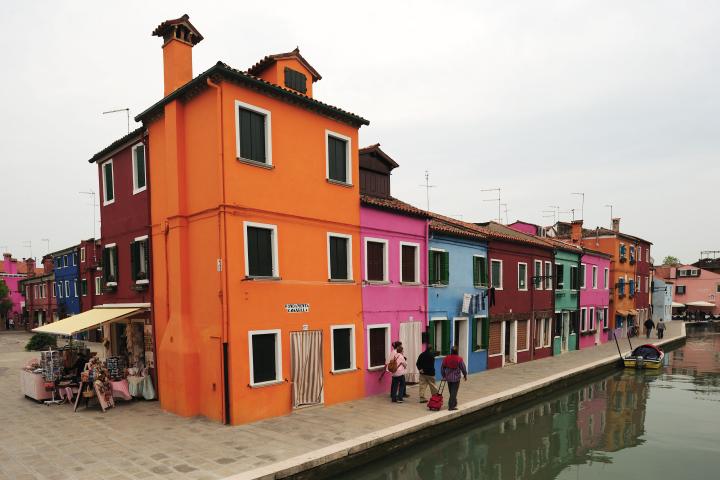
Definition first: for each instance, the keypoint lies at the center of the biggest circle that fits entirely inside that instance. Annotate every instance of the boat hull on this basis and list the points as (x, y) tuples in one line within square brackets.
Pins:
[(642, 363)]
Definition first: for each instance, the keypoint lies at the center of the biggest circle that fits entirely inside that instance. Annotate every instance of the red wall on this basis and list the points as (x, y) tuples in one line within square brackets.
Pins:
[(642, 300)]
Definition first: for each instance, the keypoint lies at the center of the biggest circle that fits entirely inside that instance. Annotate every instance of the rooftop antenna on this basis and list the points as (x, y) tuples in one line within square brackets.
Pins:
[(126, 110), (3, 249), (499, 217), (92, 195), (557, 210), (28, 244), (47, 243), (611, 213), (582, 205), (567, 211), (553, 216), (427, 187), (505, 205)]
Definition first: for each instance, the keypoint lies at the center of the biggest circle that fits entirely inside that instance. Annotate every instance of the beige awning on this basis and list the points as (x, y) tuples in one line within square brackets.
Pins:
[(86, 320), (622, 313), (632, 311), (677, 305), (700, 304)]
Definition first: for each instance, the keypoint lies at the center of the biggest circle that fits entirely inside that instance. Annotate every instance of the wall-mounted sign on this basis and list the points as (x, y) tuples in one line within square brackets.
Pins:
[(297, 307)]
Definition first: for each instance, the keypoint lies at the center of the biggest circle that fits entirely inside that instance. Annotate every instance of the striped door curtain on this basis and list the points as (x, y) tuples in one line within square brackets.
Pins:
[(306, 365)]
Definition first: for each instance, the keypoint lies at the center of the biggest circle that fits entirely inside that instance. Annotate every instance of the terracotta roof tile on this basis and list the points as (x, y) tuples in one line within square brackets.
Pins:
[(393, 204), (130, 137), (268, 60)]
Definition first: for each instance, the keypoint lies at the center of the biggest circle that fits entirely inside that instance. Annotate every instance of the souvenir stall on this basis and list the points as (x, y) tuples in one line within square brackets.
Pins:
[(121, 372)]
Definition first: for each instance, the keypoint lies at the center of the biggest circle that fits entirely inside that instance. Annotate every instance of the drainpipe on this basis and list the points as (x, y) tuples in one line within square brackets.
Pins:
[(222, 241)]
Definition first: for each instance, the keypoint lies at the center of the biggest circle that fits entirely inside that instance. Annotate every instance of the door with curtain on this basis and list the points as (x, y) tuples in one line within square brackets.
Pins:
[(411, 338), (306, 367)]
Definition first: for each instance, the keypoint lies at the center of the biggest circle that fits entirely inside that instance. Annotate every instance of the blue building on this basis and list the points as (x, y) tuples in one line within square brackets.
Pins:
[(67, 283), (662, 299), (457, 292)]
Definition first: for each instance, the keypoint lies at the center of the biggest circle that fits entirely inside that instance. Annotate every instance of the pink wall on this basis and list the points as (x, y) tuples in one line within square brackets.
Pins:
[(704, 288), (391, 303), (11, 276), (596, 298), (524, 227)]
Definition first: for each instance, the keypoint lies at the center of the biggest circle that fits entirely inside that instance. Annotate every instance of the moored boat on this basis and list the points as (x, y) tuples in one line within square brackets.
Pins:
[(644, 356)]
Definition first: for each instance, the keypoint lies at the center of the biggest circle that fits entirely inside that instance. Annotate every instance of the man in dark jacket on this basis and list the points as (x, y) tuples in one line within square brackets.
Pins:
[(426, 366), (649, 325)]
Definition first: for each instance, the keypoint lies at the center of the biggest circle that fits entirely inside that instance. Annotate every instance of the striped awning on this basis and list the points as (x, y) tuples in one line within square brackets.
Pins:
[(86, 320), (622, 313)]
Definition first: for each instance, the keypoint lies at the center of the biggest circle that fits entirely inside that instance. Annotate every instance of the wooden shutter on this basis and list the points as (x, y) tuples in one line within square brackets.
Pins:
[(446, 337), (337, 159), (408, 264), (341, 349), (295, 80), (134, 260), (375, 263), (432, 278), (252, 135), (140, 167), (474, 335), (263, 355), (260, 255), (377, 347), (338, 258), (476, 272), (485, 333), (106, 264), (445, 268)]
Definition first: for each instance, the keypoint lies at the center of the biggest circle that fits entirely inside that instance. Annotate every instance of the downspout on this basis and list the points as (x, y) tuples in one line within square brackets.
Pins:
[(222, 241), (151, 273)]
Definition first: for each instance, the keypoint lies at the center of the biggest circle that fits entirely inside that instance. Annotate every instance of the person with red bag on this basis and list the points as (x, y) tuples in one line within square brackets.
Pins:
[(453, 367)]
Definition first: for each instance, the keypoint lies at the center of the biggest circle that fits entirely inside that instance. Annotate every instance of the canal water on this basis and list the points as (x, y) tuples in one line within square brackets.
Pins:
[(629, 425)]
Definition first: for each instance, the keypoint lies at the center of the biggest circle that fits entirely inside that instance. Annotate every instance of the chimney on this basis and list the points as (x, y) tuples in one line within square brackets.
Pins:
[(576, 231), (179, 36), (30, 264), (616, 224)]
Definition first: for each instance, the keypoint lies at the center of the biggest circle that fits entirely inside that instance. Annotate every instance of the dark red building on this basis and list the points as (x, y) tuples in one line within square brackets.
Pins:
[(643, 282), (521, 302), (39, 292)]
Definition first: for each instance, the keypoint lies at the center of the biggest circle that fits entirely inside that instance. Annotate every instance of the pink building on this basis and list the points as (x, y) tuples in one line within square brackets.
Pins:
[(393, 239), (594, 298), (12, 271), (697, 289)]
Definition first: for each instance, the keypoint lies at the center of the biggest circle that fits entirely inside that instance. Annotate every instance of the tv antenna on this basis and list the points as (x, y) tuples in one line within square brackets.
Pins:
[(92, 196), (611, 213), (505, 209), (499, 217), (28, 244), (582, 205), (47, 243), (427, 188), (553, 215), (127, 112)]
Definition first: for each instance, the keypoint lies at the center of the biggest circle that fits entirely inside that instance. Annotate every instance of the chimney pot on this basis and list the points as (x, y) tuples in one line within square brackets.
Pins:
[(616, 224), (179, 36), (576, 231)]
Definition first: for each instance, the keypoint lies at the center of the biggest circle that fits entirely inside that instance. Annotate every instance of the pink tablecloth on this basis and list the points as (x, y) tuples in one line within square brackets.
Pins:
[(120, 389)]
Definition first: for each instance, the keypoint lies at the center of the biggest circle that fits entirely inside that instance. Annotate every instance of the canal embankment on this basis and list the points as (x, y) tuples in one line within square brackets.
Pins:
[(399, 426)]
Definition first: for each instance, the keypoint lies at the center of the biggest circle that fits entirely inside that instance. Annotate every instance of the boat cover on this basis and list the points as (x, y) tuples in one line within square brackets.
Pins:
[(648, 352)]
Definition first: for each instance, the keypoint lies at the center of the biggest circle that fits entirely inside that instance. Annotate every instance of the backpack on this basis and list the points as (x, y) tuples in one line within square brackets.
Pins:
[(392, 365)]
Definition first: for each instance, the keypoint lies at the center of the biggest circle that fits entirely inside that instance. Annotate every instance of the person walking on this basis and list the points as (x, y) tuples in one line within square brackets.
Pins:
[(426, 366), (453, 367), (649, 325), (397, 366), (660, 328)]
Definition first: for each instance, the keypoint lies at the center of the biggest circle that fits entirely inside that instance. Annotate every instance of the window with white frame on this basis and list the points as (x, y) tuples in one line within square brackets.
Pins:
[(376, 260), (522, 276), (591, 318), (547, 330), (261, 250), (98, 285), (265, 357), (539, 333), (639, 256), (496, 274), (342, 347), (60, 289), (606, 279), (82, 255), (537, 275), (54, 291), (138, 167), (378, 342), (67, 288), (338, 157), (594, 276), (409, 262), (140, 260), (440, 331), (253, 134), (339, 256), (548, 276), (110, 265), (583, 275), (559, 276), (75, 287), (108, 183), (605, 317), (583, 319), (84, 287)]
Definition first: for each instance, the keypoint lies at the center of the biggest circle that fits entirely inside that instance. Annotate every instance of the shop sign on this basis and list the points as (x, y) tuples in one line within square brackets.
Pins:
[(297, 307)]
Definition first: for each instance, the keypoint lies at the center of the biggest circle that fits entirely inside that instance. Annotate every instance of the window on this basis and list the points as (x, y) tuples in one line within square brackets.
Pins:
[(253, 133), (480, 271), (718, 288), (439, 267), (631, 287), (539, 334), (594, 276), (682, 273), (632, 253), (343, 347), (74, 258), (548, 278), (496, 274), (139, 260), (75, 287), (621, 286), (606, 279), (591, 318), (583, 275), (522, 276), (583, 319), (261, 257), (623, 251), (606, 318), (537, 275), (59, 289), (83, 287), (65, 261), (409, 262), (139, 170), (439, 332), (110, 265), (378, 345), (547, 330), (82, 255), (480, 333), (295, 80), (54, 291), (67, 288), (376, 260), (98, 285), (639, 248), (559, 276), (574, 278), (680, 289), (265, 357), (108, 185), (338, 157), (339, 257)]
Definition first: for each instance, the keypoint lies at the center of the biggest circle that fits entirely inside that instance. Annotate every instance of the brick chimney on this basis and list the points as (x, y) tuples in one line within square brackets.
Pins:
[(30, 266), (576, 231), (616, 224), (179, 36)]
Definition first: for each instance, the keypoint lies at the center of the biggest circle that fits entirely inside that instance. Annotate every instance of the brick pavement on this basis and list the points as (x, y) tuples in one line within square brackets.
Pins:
[(137, 440)]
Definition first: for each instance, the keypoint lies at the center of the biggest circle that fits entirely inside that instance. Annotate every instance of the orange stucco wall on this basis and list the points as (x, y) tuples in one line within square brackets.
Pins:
[(188, 234), (275, 73)]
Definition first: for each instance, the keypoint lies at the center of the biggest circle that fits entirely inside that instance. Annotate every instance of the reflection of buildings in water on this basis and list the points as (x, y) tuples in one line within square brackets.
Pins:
[(627, 395), (699, 355), (592, 411)]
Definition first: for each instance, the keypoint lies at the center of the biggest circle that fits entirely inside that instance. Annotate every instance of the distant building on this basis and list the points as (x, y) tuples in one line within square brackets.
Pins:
[(662, 299), (697, 289), (67, 286), (39, 292), (709, 260), (12, 272)]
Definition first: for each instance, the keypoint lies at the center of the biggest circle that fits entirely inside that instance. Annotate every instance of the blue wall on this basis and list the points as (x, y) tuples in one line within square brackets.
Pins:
[(446, 301), (66, 267)]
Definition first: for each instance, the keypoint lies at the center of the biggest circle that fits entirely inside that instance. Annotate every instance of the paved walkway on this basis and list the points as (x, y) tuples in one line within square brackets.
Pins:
[(138, 440)]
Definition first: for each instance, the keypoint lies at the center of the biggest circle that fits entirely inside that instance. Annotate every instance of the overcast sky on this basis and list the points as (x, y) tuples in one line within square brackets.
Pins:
[(615, 99)]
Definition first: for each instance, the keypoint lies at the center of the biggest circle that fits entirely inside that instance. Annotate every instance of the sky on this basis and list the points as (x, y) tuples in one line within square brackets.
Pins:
[(618, 100)]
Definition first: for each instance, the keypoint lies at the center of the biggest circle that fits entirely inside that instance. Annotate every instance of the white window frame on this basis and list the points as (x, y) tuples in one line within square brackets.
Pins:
[(583, 314), (526, 277), (75, 285), (54, 292), (67, 288), (606, 320), (82, 255), (539, 332), (268, 133), (353, 363), (594, 277), (582, 278), (385, 259), (278, 357), (606, 280), (59, 289), (388, 331), (591, 319), (538, 273), (550, 275), (104, 182), (417, 263), (86, 289), (436, 320), (112, 271), (348, 157), (348, 259), (274, 239), (557, 287), (478, 319), (145, 253), (639, 253), (548, 332), (492, 278), (133, 149), (98, 285)]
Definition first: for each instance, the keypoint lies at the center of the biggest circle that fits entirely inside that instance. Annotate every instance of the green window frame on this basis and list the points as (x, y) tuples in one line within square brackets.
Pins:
[(480, 341), (441, 326), (438, 267), (480, 271)]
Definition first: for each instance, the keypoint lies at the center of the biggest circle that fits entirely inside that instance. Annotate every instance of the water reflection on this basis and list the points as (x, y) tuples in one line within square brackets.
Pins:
[(587, 427)]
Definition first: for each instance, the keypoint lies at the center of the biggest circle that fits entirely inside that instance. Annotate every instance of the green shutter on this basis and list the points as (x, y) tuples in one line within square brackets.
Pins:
[(473, 326), (134, 259), (431, 268), (485, 333), (445, 268), (446, 337), (431, 333), (483, 271), (476, 273), (106, 264)]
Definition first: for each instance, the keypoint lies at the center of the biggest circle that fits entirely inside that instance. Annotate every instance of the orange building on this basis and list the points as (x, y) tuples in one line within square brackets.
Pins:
[(255, 219)]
